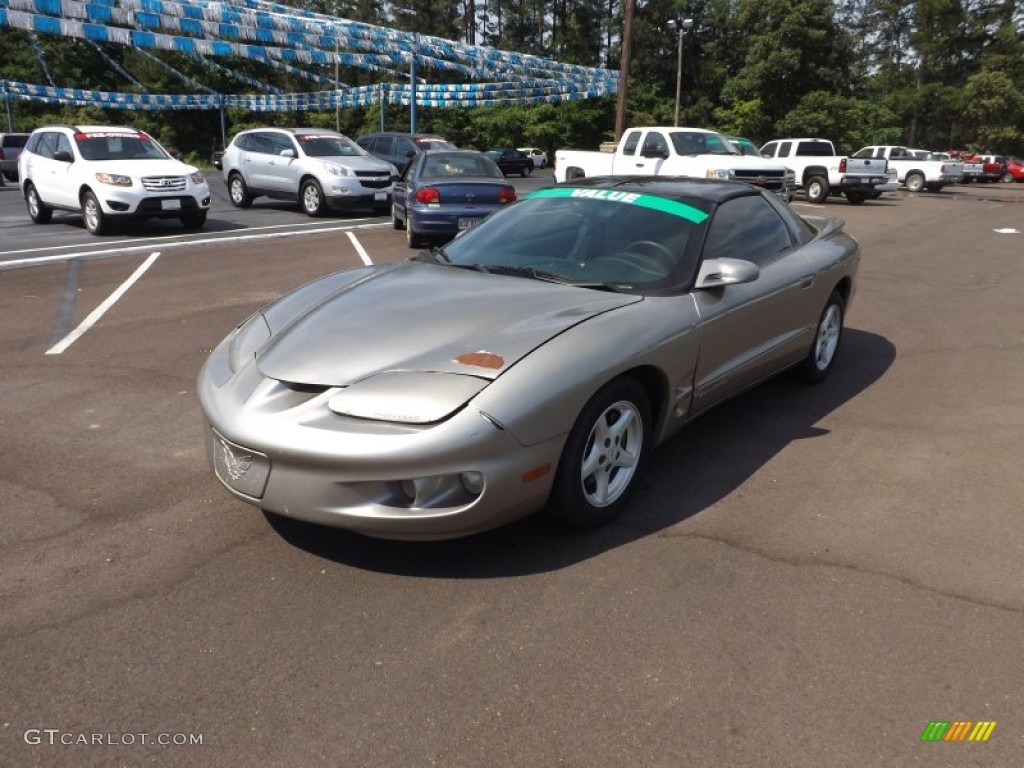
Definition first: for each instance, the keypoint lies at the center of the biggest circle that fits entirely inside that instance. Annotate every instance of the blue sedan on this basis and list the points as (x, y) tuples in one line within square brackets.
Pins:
[(444, 192)]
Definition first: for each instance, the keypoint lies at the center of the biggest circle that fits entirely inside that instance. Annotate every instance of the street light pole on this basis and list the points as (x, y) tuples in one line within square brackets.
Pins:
[(685, 25)]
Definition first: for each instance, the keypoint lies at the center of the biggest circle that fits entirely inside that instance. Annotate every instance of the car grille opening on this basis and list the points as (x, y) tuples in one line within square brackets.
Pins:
[(164, 183), (305, 389)]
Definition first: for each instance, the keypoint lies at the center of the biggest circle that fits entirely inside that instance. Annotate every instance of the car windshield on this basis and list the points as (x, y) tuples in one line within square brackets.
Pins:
[(327, 145), (118, 146), (592, 237), (445, 165), (746, 147), (701, 143)]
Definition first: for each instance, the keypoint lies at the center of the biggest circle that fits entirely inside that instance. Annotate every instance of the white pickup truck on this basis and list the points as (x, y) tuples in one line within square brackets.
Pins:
[(821, 172), (913, 173), (693, 152)]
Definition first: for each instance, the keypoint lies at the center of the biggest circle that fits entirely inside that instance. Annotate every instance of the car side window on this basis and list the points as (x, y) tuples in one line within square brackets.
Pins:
[(366, 142), (64, 144), (768, 150), (48, 144), (631, 142), (280, 143), (261, 142), (405, 146), (747, 228), (655, 143), (384, 145)]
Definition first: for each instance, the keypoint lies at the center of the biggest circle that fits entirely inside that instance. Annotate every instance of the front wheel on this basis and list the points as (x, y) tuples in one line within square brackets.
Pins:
[(915, 182), (602, 456), (193, 220), (527, 170), (38, 211), (92, 213), (817, 189), (396, 223), (312, 198), (822, 355), (238, 191)]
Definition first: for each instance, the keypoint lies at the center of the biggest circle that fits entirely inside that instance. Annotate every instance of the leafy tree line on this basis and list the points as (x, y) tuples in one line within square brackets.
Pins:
[(939, 74)]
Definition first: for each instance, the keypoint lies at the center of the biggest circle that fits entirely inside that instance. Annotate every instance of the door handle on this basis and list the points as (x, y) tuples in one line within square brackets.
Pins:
[(807, 281)]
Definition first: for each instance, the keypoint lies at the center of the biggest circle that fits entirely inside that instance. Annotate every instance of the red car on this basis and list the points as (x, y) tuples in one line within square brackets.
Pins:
[(994, 166), (1014, 170)]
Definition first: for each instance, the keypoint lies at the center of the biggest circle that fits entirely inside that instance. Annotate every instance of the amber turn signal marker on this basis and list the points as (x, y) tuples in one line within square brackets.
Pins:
[(536, 472), (481, 359)]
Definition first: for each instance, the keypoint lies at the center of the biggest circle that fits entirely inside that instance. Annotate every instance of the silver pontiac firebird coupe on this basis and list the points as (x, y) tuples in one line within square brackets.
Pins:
[(532, 363)]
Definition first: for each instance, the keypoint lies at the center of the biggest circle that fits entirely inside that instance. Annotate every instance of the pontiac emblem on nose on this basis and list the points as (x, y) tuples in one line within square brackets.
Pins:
[(235, 466)]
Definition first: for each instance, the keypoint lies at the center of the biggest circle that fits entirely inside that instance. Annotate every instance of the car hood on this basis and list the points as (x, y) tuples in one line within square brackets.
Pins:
[(357, 163), (421, 317), (142, 168)]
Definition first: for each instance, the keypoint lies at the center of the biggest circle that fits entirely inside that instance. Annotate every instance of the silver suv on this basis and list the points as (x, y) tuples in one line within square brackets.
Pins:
[(319, 168)]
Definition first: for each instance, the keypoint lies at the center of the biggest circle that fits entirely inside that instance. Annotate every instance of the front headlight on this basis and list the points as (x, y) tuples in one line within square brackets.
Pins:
[(720, 173), (339, 170), (114, 178), (246, 341), (198, 178), (407, 397)]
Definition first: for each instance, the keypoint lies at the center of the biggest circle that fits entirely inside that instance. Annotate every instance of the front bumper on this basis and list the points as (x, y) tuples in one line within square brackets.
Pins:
[(342, 192), (286, 452), (126, 203)]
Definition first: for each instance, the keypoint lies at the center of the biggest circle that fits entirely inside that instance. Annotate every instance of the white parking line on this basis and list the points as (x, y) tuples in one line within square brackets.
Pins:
[(359, 249), (35, 261), (97, 313)]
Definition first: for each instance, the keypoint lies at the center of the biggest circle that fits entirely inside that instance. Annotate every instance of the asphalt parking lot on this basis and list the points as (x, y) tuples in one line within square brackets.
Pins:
[(806, 577)]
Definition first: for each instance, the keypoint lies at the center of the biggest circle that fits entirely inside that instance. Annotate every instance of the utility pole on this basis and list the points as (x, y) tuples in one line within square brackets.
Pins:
[(627, 40)]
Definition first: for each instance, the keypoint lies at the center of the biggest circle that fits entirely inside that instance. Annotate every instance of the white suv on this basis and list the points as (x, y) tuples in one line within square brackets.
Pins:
[(106, 173), (319, 168)]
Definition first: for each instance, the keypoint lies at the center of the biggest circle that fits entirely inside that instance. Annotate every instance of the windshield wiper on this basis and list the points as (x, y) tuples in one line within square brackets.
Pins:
[(549, 277)]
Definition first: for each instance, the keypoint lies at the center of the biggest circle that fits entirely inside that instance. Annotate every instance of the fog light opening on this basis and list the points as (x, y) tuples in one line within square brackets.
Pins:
[(473, 482), (409, 490)]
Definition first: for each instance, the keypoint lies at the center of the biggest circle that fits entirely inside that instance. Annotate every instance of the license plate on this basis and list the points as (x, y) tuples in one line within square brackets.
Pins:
[(171, 205), (380, 195), (468, 223), (855, 180), (239, 468)]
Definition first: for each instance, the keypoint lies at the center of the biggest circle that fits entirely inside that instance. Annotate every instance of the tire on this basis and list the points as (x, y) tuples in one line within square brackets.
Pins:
[(1008, 178), (396, 222), (412, 238), (238, 191), (38, 211), (92, 214), (12, 176), (193, 220), (311, 198), (602, 456), (914, 182), (825, 348), (527, 170), (817, 189), (856, 198)]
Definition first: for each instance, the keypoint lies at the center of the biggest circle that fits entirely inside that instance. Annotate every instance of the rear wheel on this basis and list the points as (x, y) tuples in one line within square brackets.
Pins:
[(38, 211), (193, 220), (527, 170), (914, 182), (817, 189), (1008, 177), (238, 191), (602, 456), (822, 355), (412, 237), (396, 222), (312, 198), (92, 214)]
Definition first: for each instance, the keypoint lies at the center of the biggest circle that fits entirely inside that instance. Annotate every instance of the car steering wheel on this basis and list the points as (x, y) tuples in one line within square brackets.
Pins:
[(653, 250)]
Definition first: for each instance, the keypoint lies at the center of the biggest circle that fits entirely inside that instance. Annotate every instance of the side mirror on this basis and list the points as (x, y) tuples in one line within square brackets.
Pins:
[(410, 153), (287, 153), (716, 273), (63, 156)]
